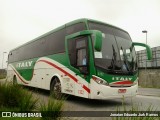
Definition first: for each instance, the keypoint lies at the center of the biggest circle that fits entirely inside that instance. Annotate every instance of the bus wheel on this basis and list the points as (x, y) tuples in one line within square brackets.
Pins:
[(56, 89), (14, 80)]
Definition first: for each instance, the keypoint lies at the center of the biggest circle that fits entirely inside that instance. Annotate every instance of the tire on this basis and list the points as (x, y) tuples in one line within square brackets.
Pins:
[(14, 80), (55, 90)]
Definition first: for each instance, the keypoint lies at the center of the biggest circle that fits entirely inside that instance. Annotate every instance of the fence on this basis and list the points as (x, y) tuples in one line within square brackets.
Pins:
[(143, 62)]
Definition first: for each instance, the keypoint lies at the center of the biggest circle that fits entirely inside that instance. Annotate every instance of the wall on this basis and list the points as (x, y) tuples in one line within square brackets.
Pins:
[(149, 78)]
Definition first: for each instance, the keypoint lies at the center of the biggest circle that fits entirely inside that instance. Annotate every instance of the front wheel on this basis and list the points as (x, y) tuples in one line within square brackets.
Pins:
[(56, 89)]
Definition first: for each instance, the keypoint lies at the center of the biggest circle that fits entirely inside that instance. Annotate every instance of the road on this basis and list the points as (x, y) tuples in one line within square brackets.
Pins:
[(142, 102), (81, 104)]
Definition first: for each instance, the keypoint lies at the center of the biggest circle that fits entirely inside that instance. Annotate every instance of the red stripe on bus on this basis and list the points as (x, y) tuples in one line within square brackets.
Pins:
[(124, 82), (65, 72), (86, 88)]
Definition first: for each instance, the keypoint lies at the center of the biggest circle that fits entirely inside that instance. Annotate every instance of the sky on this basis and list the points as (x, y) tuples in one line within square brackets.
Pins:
[(24, 20)]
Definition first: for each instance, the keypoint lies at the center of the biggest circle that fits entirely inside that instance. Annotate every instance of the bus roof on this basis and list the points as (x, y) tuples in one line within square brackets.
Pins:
[(96, 21), (63, 26)]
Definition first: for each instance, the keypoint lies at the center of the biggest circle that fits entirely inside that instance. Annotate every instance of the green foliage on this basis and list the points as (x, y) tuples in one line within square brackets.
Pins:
[(27, 102), (14, 97), (52, 109)]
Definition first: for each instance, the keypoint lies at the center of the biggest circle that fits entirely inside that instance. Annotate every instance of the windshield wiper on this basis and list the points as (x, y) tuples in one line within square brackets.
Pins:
[(125, 61), (113, 62)]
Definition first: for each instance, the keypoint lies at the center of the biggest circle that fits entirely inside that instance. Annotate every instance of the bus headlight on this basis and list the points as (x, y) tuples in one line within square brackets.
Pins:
[(99, 81)]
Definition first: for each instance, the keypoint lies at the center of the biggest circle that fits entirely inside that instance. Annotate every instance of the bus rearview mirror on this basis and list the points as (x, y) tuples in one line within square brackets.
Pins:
[(149, 51), (98, 41)]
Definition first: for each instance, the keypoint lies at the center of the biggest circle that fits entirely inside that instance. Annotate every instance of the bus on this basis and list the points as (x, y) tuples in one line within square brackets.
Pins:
[(85, 58)]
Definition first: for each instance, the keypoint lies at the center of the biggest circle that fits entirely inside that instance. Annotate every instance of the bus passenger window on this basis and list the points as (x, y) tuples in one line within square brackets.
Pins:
[(81, 51), (81, 57), (78, 54)]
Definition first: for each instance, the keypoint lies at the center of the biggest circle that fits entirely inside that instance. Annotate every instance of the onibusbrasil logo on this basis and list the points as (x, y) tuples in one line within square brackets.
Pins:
[(24, 114)]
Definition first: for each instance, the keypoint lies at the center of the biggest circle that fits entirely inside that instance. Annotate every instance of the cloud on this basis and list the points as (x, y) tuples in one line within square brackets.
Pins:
[(23, 20)]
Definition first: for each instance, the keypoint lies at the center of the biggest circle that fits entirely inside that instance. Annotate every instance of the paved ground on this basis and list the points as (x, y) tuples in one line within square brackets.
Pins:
[(145, 98), (149, 92)]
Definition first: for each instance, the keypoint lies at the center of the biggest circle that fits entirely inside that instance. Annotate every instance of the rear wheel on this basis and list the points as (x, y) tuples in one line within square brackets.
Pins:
[(14, 80), (56, 89)]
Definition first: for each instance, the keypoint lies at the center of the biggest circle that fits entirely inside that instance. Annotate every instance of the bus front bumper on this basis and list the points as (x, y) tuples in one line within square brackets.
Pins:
[(99, 91)]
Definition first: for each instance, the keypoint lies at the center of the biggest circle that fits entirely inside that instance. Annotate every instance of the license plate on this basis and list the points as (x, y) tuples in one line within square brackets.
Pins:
[(122, 90)]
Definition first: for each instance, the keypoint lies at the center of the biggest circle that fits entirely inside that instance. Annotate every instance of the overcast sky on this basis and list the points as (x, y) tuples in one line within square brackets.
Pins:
[(24, 20)]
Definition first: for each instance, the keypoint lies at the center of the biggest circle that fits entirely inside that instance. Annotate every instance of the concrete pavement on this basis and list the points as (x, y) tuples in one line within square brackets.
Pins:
[(149, 92)]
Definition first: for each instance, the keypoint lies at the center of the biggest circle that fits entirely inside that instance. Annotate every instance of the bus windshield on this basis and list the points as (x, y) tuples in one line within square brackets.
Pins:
[(117, 55)]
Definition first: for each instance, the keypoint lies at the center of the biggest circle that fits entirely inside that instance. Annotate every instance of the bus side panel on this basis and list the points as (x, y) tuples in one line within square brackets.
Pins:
[(70, 82), (11, 73), (45, 69)]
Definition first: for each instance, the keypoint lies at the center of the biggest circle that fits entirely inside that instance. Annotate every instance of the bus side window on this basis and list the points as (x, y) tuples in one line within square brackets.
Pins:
[(75, 28), (81, 52), (72, 52), (78, 54), (81, 57)]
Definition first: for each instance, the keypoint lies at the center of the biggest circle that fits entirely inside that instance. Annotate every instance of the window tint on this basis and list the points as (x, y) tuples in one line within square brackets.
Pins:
[(75, 28), (110, 30), (36, 49), (101, 27), (117, 53), (78, 51), (80, 43), (121, 34), (81, 57), (56, 42), (50, 44), (72, 52), (78, 54)]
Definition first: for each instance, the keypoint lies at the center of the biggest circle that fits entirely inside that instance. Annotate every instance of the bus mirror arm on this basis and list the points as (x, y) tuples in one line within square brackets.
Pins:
[(149, 51)]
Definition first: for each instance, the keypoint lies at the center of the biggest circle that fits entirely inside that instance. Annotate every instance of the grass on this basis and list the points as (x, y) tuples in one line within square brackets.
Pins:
[(53, 109), (17, 99), (136, 109)]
